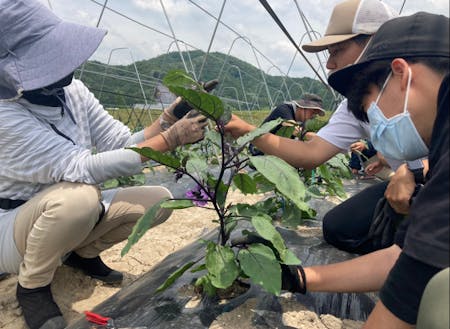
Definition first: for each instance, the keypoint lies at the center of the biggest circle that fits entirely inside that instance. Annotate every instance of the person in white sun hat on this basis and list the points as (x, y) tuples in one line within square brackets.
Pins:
[(350, 27), (50, 206)]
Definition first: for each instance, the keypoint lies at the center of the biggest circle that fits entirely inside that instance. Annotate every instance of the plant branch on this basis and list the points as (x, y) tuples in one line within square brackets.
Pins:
[(238, 163)]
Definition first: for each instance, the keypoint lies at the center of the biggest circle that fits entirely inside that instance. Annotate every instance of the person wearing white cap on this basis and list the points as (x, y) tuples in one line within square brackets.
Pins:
[(50, 206), (351, 25)]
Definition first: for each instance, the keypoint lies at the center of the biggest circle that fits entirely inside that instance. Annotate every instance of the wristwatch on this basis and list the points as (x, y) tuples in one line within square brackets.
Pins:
[(416, 167)]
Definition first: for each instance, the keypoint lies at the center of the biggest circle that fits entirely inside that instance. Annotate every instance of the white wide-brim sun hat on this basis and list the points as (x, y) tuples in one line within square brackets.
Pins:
[(37, 48)]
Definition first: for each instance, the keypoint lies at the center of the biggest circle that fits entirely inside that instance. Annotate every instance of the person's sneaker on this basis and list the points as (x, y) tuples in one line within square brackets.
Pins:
[(94, 267), (39, 309)]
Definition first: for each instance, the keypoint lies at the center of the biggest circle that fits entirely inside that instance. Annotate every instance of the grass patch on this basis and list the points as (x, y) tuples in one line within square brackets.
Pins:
[(137, 119)]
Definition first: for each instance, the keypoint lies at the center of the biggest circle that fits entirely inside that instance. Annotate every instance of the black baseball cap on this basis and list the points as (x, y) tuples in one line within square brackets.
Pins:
[(419, 35)]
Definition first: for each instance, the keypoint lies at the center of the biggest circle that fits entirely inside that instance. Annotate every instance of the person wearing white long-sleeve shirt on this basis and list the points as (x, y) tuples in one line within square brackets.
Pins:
[(50, 205)]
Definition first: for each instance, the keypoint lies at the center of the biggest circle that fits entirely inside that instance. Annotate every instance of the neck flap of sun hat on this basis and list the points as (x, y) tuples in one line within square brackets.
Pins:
[(37, 48), (52, 95)]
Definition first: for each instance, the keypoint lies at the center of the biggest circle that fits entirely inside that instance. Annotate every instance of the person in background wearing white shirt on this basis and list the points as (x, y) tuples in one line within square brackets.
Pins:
[(50, 205)]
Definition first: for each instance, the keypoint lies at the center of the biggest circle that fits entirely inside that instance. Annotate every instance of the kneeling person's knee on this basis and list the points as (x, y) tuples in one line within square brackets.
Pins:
[(79, 203)]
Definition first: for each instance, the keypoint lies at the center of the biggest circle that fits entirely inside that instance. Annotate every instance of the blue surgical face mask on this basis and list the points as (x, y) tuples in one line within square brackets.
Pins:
[(396, 137)]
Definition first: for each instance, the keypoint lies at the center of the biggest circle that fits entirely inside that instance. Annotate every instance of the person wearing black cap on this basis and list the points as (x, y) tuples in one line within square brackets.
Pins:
[(401, 87)]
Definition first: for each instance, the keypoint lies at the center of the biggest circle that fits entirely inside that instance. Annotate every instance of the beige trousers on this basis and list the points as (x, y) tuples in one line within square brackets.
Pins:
[(434, 305), (65, 217)]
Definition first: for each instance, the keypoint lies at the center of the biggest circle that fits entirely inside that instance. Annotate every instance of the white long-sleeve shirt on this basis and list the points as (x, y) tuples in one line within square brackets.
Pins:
[(33, 156)]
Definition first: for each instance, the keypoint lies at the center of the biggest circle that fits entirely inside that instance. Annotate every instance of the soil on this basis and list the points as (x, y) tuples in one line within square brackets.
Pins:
[(75, 292)]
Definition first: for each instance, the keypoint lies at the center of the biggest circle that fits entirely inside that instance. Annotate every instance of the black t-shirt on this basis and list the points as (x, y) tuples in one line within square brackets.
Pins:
[(424, 236), (283, 111)]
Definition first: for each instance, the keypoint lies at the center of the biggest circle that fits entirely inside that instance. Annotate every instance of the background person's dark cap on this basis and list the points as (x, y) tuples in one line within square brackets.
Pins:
[(419, 35), (311, 101)]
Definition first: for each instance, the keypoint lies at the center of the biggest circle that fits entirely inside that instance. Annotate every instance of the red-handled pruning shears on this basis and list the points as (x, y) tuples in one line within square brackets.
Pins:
[(105, 321), (98, 319)]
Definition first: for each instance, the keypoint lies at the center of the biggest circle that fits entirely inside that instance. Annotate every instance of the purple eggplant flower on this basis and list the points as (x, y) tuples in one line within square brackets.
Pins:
[(198, 196)]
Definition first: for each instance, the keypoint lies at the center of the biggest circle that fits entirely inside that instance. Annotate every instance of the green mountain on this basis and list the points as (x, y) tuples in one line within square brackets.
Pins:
[(241, 85)]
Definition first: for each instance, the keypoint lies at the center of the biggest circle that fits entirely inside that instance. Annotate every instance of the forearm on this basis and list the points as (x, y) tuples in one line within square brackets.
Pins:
[(156, 142), (383, 160), (361, 274), (299, 154), (100, 167), (426, 166), (152, 130)]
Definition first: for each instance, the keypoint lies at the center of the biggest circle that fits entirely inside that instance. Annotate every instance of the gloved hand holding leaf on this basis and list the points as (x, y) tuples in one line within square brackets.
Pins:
[(180, 107), (189, 129)]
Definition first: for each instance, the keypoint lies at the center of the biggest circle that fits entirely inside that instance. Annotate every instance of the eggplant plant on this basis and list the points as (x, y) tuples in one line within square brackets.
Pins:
[(217, 164)]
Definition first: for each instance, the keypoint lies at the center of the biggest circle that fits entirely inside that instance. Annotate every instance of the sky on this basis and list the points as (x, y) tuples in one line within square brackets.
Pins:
[(143, 29)]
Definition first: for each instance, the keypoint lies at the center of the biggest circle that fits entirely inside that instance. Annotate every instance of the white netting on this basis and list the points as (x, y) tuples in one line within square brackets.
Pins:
[(370, 15)]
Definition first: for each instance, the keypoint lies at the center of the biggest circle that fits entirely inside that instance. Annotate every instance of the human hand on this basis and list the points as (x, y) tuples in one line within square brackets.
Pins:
[(309, 135), (289, 123), (358, 146), (400, 189), (168, 118), (237, 127), (179, 108), (374, 167), (189, 129), (292, 123)]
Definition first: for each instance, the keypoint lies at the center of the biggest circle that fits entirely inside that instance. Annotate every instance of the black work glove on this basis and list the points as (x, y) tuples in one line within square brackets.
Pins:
[(183, 107), (293, 277), (292, 280)]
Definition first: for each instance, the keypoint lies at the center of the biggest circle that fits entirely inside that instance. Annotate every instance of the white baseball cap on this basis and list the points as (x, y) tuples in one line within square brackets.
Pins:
[(351, 18)]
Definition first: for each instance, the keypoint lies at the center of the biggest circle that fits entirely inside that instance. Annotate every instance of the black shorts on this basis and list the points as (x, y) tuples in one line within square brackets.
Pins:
[(404, 286)]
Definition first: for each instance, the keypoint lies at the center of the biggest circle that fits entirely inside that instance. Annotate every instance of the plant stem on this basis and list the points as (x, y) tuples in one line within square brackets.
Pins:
[(220, 212)]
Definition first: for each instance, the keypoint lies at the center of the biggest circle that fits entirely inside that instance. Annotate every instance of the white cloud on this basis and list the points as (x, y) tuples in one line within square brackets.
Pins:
[(172, 7)]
